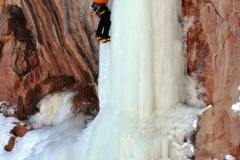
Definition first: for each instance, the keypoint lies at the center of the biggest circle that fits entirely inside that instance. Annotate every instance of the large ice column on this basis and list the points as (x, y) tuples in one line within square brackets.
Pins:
[(146, 63), (130, 58), (168, 58)]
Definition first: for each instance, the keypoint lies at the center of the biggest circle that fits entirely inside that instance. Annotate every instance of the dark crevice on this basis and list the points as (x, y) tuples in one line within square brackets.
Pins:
[(83, 72), (17, 24), (82, 53), (57, 25), (86, 60), (217, 11), (39, 38), (26, 49), (88, 34), (54, 17), (69, 29), (223, 44), (67, 16)]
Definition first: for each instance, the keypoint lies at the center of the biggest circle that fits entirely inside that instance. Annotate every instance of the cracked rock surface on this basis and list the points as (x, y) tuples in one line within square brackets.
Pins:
[(215, 39)]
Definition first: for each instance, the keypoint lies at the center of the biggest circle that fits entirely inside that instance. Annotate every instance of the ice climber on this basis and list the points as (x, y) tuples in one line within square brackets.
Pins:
[(99, 7)]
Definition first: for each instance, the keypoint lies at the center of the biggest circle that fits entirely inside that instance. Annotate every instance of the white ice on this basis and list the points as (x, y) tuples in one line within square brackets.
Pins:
[(236, 107)]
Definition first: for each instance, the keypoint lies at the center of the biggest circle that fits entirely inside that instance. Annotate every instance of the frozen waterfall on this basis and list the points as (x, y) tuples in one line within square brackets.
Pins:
[(141, 82), (141, 91)]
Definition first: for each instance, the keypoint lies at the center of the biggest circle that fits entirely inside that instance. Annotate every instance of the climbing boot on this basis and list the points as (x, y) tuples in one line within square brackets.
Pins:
[(98, 38), (106, 39)]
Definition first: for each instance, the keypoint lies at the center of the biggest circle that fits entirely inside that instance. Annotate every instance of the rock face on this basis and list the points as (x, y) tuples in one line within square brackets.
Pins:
[(19, 130), (214, 40), (10, 144), (198, 50), (46, 46)]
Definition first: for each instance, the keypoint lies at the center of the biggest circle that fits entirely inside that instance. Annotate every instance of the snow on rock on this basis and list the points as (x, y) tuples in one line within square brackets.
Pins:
[(36, 120), (239, 93), (7, 110), (195, 89), (236, 107), (229, 157)]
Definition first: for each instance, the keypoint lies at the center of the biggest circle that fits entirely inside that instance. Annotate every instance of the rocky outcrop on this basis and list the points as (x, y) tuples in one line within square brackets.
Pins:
[(10, 144), (46, 47), (19, 130), (214, 39)]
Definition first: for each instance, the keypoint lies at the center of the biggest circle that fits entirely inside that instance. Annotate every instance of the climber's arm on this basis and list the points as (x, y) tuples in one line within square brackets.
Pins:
[(95, 9)]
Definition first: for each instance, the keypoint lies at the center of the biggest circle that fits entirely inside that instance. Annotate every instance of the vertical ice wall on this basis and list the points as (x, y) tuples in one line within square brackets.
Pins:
[(145, 56), (141, 78), (168, 57)]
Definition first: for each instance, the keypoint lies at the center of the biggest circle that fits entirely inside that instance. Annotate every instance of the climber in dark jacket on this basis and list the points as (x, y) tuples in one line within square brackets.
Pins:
[(103, 12)]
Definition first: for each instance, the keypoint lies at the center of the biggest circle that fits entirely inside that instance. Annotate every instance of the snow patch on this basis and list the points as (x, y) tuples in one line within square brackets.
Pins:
[(194, 90), (188, 22), (236, 107), (229, 157), (37, 120), (4, 108), (58, 142), (6, 124), (54, 108)]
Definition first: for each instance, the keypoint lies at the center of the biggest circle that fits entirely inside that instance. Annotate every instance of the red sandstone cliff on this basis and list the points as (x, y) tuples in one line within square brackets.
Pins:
[(45, 47), (215, 40)]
